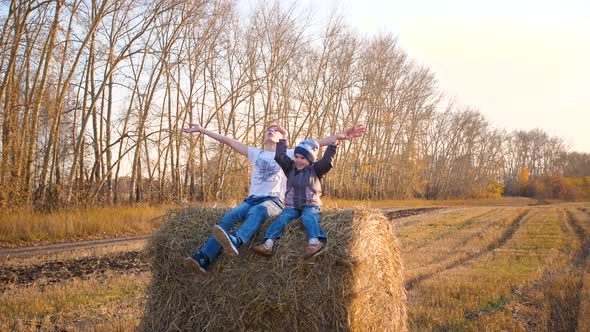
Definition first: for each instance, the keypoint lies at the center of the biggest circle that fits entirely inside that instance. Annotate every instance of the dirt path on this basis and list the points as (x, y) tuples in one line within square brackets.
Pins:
[(70, 246)]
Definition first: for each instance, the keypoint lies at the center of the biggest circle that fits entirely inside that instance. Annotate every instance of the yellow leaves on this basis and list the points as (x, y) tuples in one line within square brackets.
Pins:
[(524, 176), (495, 189)]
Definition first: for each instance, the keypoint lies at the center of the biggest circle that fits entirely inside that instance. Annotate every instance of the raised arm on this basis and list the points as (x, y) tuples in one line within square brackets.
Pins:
[(281, 157), (325, 164), (348, 133), (238, 146)]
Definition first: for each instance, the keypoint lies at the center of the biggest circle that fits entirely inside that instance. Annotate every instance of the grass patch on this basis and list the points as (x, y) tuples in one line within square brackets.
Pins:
[(495, 305), (29, 227), (113, 303)]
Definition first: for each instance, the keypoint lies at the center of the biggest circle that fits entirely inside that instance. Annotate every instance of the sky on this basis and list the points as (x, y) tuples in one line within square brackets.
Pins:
[(524, 64)]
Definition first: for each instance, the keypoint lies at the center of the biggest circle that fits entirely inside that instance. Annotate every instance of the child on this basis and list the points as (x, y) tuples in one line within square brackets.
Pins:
[(302, 198)]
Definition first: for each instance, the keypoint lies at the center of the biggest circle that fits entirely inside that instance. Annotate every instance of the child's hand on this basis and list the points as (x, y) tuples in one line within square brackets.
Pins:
[(282, 130), (352, 132), (193, 128)]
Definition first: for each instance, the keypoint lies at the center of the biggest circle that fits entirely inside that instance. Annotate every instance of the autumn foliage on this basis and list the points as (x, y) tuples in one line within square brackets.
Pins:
[(556, 186)]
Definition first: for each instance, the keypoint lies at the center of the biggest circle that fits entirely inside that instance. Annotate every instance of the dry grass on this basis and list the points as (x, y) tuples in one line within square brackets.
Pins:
[(579, 218), (526, 282), (111, 304), (28, 227), (356, 284), (382, 204), (584, 313)]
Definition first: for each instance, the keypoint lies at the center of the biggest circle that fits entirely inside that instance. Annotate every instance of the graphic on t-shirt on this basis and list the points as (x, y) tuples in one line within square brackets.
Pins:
[(266, 170)]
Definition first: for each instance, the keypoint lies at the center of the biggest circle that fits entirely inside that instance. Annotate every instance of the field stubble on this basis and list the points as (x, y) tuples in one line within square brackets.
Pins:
[(514, 268)]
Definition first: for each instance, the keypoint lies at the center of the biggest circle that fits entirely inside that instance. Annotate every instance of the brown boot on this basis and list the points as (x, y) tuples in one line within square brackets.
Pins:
[(262, 250), (313, 250)]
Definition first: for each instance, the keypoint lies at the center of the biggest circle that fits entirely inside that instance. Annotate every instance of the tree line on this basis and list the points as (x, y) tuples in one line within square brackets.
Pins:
[(93, 94)]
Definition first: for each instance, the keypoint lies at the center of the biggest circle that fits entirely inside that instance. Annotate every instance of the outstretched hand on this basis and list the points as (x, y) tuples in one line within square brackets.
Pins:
[(193, 128), (352, 132)]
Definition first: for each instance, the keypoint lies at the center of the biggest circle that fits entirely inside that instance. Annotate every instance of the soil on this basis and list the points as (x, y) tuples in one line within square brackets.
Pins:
[(41, 275), (397, 214)]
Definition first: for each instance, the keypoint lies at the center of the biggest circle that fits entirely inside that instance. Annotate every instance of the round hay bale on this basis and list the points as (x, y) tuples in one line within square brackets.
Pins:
[(355, 284)]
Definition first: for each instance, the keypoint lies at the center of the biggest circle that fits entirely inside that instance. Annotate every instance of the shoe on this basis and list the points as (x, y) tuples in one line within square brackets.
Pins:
[(313, 250), (262, 250), (228, 241), (198, 265)]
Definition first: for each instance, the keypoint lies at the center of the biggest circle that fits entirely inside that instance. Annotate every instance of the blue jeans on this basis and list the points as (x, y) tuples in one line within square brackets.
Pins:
[(253, 211), (310, 216)]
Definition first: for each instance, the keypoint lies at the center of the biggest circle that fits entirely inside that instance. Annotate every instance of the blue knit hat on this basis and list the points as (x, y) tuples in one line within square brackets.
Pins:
[(309, 149)]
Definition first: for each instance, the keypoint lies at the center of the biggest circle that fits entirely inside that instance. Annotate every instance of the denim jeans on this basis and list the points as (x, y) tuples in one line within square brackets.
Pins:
[(310, 216), (253, 211)]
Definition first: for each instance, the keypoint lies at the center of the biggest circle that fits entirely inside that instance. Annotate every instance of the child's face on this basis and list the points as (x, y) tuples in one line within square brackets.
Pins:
[(272, 134), (300, 161)]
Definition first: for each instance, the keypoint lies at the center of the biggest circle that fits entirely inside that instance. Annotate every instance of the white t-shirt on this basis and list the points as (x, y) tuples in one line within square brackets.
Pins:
[(267, 178)]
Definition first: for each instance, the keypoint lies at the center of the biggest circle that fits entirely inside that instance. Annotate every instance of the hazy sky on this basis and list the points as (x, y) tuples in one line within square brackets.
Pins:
[(524, 64)]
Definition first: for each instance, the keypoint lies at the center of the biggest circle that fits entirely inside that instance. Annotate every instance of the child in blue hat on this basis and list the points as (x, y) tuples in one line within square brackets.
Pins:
[(302, 199)]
